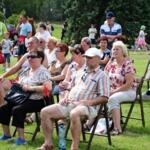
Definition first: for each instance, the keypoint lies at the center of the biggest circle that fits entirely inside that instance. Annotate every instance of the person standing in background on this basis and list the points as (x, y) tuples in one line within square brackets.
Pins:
[(43, 32), (141, 39), (64, 29), (3, 29), (24, 29), (92, 34), (6, 47), (111, 29)]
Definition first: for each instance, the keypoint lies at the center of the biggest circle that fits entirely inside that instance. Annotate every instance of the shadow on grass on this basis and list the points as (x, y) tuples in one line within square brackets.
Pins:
[(137, 131)]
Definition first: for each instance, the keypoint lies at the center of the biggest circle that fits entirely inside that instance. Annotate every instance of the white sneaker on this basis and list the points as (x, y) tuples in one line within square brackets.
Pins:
[(145, 96)]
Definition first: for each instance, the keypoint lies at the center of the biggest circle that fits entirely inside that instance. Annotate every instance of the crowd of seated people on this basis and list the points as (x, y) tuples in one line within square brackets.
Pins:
[(88, 78)]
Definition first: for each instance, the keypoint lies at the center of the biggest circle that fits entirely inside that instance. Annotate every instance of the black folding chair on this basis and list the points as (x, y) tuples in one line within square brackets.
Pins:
[(102, 112), (147, 74), (138, 100)]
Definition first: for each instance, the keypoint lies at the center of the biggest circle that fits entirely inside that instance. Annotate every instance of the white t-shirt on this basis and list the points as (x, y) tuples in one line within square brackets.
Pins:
[(44, 35), (6, 46), (92, 32), (51, 56)]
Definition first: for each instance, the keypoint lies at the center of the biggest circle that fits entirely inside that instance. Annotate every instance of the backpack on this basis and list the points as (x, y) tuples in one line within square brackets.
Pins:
[(2, 58)]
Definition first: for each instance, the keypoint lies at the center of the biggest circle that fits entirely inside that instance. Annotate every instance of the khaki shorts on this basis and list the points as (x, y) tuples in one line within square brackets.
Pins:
[(88, 111)]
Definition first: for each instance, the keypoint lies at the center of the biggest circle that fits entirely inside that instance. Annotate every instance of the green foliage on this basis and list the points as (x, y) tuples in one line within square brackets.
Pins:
[(1, 15), (81, 13), (13, 19), (131, 15)]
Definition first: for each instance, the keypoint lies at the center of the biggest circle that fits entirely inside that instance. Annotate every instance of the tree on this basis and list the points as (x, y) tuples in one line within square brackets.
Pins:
[(131, 15)]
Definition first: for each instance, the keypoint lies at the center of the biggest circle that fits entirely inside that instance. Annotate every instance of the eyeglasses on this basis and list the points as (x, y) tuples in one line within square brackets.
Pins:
[(32, 56), (88, 57)]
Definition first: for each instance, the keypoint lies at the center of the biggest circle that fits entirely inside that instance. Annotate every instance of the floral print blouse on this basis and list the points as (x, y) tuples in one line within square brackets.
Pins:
[(117, 74)]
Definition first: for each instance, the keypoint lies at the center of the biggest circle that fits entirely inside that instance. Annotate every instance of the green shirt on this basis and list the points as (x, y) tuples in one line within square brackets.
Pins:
[(3, 29)]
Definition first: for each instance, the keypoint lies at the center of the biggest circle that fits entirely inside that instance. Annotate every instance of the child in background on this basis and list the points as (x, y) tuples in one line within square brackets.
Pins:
[(141, 39), (6, 46)]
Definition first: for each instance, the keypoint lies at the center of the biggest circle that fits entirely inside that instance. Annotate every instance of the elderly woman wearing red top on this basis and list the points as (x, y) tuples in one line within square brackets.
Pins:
[(122, 81)]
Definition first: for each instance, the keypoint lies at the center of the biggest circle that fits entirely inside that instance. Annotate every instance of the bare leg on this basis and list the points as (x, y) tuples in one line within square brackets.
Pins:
[(47, 115), (116, 119), (4, 87), (75, 118), (6, 130), (20, 133), (8, 65)]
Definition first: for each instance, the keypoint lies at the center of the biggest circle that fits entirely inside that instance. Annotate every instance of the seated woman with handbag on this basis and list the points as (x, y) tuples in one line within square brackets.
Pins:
[(33, 81)]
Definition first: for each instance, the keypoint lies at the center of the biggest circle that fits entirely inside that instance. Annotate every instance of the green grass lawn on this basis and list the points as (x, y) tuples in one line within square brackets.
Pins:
[(57, 30)]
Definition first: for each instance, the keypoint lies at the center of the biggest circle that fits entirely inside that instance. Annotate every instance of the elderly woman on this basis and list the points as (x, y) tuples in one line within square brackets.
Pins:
[(122, 80), (33, 79), (22, 64)]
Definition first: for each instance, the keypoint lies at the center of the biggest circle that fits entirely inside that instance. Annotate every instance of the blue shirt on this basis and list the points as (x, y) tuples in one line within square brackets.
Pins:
[(25, 28), (106, 54), (115, 29), (105, 29)]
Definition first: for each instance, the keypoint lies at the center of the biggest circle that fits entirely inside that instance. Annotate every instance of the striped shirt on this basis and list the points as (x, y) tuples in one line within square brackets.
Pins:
[(90, 85), (105, 29)]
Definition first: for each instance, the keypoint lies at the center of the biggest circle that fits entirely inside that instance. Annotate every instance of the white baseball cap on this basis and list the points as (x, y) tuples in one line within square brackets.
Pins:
[(91, 52)]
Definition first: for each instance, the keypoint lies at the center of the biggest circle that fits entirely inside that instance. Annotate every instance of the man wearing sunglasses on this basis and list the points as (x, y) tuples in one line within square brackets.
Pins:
[(91, 89)]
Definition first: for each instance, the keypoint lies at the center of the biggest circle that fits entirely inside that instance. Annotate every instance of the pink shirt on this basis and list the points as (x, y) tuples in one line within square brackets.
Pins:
[(117, 74)]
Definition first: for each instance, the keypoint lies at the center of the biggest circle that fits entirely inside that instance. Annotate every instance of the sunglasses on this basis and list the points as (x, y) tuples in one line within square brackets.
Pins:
[(88, 57), (32, 56)]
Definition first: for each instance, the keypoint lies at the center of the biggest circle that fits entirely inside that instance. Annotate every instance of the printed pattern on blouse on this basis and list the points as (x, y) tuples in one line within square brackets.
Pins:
[(40, 76), (117, 74)]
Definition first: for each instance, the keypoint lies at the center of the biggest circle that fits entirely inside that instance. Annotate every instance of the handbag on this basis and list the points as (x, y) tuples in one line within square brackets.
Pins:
[(16, 95)]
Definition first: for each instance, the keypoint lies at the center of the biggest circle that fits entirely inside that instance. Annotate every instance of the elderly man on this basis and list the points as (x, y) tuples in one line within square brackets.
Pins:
[(90, 90), (111, 29)]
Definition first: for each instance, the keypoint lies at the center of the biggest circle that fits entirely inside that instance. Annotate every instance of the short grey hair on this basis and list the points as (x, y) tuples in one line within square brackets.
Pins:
[(123, 47)]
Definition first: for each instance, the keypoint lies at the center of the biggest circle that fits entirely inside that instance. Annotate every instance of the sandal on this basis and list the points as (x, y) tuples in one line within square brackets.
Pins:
[(46, 147), (115, 132)]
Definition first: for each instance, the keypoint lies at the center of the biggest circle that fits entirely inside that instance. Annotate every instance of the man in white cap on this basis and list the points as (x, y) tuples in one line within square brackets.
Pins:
[(91, 89)]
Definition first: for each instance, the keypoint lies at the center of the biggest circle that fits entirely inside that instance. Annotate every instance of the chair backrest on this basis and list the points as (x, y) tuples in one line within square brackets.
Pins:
[(147, 71), (139, 87), (141, 80)]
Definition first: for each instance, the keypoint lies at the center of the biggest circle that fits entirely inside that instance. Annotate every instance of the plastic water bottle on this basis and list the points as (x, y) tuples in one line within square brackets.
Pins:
[(62, 140)]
